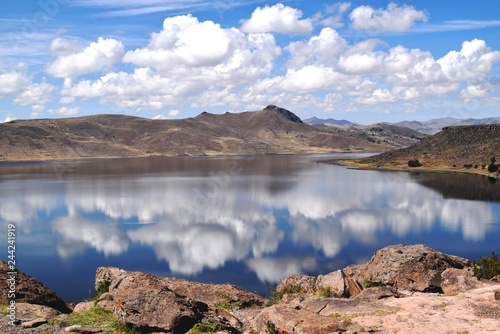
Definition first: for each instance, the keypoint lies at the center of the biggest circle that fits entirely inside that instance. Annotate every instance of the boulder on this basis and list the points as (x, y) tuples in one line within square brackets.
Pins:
[(82, 330), (334, 284), (83, 306), (301, 313), (458, 280), (497, 295), (29, 290), (34, 323), (415, 267), (154, 303), (31, 311), (210, 294), (106, 301), (378, 292), (306, 283)]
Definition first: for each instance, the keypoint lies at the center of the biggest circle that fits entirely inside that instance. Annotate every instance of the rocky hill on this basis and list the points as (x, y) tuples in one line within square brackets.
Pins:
[(272, 130), (459, 148)]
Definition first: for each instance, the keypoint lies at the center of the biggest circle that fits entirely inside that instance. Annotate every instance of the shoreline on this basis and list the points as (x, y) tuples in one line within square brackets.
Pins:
[(352, 164)]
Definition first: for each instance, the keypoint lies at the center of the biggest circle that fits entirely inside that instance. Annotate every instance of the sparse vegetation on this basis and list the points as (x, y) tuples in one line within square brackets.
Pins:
[(202, 328), (101, 317), (271, 327), (325, 292), (487, 267), (370, 284), (231, 303), (103, 288), (276, 296)]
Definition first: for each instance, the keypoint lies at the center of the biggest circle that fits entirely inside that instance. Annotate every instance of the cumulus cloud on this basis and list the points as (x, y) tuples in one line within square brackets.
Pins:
[(96, 57), (182, 62), (393, 18), (278, 18), (35, 94), (333, 15), (12, 83)]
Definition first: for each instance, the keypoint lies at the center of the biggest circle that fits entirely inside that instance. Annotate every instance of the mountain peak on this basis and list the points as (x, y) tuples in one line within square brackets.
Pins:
[(286, 113)]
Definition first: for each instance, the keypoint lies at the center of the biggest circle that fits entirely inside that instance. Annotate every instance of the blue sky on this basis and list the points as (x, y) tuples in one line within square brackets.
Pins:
[(365, 61)]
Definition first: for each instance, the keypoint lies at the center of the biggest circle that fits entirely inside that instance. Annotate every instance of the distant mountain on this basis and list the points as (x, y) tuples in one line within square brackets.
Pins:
[(433, 126), (271, 130), (330, 122), (456, 148), (430, 127)]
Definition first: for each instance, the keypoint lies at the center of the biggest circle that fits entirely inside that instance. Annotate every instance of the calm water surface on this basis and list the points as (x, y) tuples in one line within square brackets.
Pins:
[(249, 221)]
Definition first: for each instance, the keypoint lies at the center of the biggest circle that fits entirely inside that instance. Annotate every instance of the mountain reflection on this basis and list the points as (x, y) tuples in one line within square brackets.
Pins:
[(205, 213)]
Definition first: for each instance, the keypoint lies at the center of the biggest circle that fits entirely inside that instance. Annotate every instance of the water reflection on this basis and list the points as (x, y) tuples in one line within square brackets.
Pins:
[(275, 215)]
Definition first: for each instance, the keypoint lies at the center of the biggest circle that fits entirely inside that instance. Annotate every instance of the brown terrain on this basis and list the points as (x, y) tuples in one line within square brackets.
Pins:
[(272, 130), (467, 148), (418, 290)]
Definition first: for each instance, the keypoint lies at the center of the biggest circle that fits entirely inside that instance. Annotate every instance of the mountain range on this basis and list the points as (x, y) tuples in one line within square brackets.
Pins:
[(430, 127), (272, 130)]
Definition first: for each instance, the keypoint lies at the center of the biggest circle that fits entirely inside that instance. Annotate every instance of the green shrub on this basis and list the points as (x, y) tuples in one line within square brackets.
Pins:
[(276, 296), (492, 168), (414, 163), (103, 288), (202, 328), (370, 284), (271, 327), (487, 267)]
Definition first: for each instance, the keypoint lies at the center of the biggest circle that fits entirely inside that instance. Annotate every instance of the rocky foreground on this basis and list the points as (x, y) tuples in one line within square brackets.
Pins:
[(414, 289)]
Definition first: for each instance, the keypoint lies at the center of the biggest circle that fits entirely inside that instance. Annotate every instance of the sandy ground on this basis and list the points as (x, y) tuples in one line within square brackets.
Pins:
[(474, 311)]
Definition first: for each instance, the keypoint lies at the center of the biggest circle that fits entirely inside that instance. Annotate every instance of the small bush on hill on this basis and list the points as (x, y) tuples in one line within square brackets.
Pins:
[(487, 267), (414, 163)]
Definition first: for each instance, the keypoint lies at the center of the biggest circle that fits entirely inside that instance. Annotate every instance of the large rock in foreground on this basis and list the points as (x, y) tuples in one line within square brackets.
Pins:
[(154, 303), (29, 290), (415, 267)]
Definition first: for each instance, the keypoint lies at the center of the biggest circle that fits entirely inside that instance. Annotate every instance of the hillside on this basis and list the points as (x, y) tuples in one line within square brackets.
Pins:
[(390, 135), (271, 130), (460, 148)]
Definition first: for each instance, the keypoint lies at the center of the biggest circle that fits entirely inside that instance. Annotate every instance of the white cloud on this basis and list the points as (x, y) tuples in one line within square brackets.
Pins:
[(182, 62), (67, 100), (173, 113), (393, 18), (65, 111), (335, 20), (473, 91), (62, 47), (8, 118), (278, 18), (96, 57), (12, 83), (37, 94), (160, 116)]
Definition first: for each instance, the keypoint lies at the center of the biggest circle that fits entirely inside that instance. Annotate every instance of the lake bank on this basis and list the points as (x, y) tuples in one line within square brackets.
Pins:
[(422, 169)]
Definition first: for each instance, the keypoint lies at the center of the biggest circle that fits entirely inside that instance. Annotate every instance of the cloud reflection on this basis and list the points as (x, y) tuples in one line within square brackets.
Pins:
[(322, 207)]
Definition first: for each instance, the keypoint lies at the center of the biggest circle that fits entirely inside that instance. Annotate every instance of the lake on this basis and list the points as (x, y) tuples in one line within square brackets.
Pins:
[(246, 220)]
